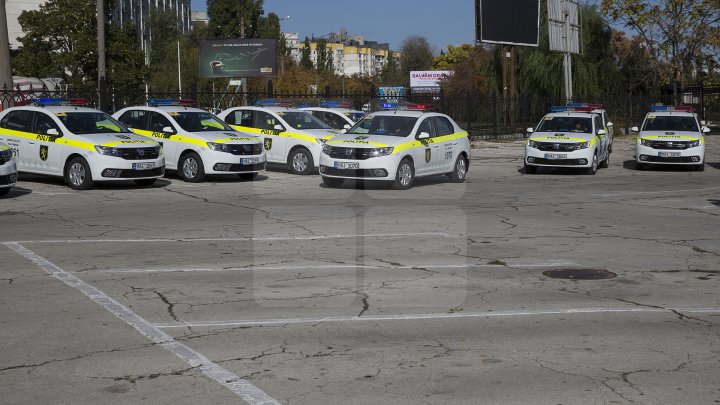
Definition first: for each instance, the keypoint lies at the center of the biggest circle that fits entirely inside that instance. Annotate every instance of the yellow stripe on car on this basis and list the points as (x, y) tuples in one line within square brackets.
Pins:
[(429, 141), (172, 137)]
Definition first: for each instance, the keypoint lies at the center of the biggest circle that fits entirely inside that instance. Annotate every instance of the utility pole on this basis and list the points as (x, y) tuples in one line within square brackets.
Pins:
[(244, 80), (5, 69), (101, 55)]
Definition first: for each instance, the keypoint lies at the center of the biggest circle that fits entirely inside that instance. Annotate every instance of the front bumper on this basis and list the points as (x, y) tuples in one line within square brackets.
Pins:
[(377, 168), (8, 174), (227, 163), (689, 156), (108, 168), (576, 158)]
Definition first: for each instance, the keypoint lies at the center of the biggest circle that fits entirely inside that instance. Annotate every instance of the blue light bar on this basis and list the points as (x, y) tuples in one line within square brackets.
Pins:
[(47, 101), (685, 108), (273, 102), (658, 108), (558, 108), (335, 104), (162, 101), (388, 106)]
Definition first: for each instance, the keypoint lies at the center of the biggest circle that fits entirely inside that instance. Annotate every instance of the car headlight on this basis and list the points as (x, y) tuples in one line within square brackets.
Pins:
[(6, 156), (326, 149), (581, 145), (219, 147), (646, 142), (377, 152), (533, 144), (158, 149), (108, 151), (694, 143)]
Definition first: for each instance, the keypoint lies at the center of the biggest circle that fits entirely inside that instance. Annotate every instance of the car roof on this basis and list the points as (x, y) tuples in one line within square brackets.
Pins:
[(672, 113), (575, 114), (405, 113), (335, 110), (53, 108), (167, 108)]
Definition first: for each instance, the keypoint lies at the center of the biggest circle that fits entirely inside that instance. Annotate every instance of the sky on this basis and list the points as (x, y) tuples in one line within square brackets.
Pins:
[(442, 23)]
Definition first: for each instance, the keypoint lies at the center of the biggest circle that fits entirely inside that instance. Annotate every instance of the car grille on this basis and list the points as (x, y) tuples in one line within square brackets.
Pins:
[(680, 159), (249, 168), (561, 147), (339, 152), (9, 179), (672, 145), (246, 149), (140, 153), (360, 173), (557, 162), (129, 174)]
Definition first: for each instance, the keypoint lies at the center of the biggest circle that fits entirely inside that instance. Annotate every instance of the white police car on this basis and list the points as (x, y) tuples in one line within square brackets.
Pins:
[(82, 144), (8, 169), (670, 136), (196, 142), (336, 114), (290, 136), (397, 146), (568, 137)]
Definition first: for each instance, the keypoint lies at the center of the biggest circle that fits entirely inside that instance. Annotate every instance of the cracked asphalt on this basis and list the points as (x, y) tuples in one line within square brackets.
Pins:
[(366, 295)]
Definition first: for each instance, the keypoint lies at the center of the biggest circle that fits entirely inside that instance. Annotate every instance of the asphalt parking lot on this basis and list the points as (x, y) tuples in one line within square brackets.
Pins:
[(283, 291)]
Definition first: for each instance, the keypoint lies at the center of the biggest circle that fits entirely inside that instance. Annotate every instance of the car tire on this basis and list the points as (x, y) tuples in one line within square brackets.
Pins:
[(4, 191), (405, 175), (593, 166), (530, 169), (191, 168), (606, 163), (145, 182), (333, 182), (700, 167), (460, 169), (248, 176), (78, 175), (301, 162)]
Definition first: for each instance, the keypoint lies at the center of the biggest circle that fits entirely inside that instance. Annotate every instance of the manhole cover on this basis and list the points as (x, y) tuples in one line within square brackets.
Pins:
[(579, 274)]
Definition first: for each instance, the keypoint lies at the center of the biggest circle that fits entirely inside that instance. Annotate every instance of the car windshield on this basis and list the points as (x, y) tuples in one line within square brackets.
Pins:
[(355, 116), (565, 124), (90, 123), (199, 121), (390, 125), (670, 123), (302, 120)]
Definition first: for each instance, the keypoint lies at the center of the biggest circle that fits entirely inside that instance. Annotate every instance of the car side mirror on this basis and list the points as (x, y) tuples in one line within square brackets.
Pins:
[(529, 130), (601, 132), (53, 132), (609, 124), (346, 126), (278, 127), (634, 129), (168, 130), (702, 122), (705, 130), (344, 130), (423, 135)]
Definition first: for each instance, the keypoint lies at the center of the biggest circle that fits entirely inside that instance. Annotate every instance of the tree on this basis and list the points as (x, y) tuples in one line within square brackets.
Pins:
[(454, 56), (126, 63), (640, 72), (324, 57), (390, 74), (269, 27), (416, 55), (676, 31), (305, 61), (226, 17), (470, 65)]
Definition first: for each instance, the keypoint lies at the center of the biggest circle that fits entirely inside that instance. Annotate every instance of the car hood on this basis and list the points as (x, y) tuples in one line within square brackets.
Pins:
[(561, 137), (125, 139), (366, 141), (319, 133), (670, 135), (233, 137)]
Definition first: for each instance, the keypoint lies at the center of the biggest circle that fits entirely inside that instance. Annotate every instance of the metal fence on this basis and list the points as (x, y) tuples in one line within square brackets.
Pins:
[(483, 116)]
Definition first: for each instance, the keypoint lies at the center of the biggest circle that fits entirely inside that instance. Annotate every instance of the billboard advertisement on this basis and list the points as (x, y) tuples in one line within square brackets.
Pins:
[(395, 91), (428, 78), (238, 58), (513, 22)]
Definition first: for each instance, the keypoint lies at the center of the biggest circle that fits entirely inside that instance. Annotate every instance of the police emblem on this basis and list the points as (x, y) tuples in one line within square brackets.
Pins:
[(268, 143), (428, 154), (361, 137), (43, 152)]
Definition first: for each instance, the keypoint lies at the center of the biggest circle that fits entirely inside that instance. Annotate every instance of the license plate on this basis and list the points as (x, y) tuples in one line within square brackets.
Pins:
[(249, 161), (556, 156), (143, 166), (669, 154), (347, 165)]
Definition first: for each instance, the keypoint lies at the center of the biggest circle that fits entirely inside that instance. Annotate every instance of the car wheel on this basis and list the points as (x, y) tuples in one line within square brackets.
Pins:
[(247, 176), (530, 169), (191, 168), (700, 167), (78, 175), (460, 171), (333, 181), (145, 182), (405, 175), (4, 191), (594, 166), (606, 163), (301, 162)]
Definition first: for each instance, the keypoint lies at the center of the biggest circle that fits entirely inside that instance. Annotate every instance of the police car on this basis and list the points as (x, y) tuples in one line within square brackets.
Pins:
[(290, 136), (397, 146), (670, 136), (568, 136), (196, 142), (81, 144), (8, 169), (336, 114)]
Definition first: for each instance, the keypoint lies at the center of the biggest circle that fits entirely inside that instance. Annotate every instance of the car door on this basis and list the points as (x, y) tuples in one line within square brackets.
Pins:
[(48, 155), (15, 133), (425, 157), (448, 146), (608, 127), (602, 150), (157, 123), (273, 142)]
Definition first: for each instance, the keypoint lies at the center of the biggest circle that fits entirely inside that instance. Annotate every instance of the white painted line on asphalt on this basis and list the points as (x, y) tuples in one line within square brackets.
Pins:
[(243, 239), (657, 192), (241, 387), (455, 315)]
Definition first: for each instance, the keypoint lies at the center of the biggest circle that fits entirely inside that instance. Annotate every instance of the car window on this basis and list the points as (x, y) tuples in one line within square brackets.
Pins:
[(302, 120), (565, 124), (199, 121), (426, 126), (133, 119), (443, 126), (390, 125), (17, 120), (598, 123), (90, 123), (43, 123), (243, 118), (266, 120), (670, 123), (331, 119), (158, 122)]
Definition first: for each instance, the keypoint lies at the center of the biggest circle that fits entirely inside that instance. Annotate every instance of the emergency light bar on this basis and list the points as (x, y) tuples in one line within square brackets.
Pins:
[(684, 108), (56, 101), (273, 103), (406, 106), (585, 105), (570, 108), (335, 104), (156, 102)]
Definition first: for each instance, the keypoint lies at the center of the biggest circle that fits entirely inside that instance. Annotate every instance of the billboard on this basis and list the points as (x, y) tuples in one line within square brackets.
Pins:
[(428, 78), (513, 22), (238, 58), (396, 91)]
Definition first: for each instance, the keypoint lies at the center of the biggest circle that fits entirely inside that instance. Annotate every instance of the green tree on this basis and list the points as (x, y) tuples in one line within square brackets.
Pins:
[(470, 65), (305, 60), (269, 27), (126, 63), (324, 57), (454, 56), (226, 17), (390, 74), (416, 55)]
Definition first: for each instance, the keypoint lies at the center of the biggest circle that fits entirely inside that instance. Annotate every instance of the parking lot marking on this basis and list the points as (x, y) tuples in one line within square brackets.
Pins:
[(657, 192), (239, 386), (432, 316), (242, 239)]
